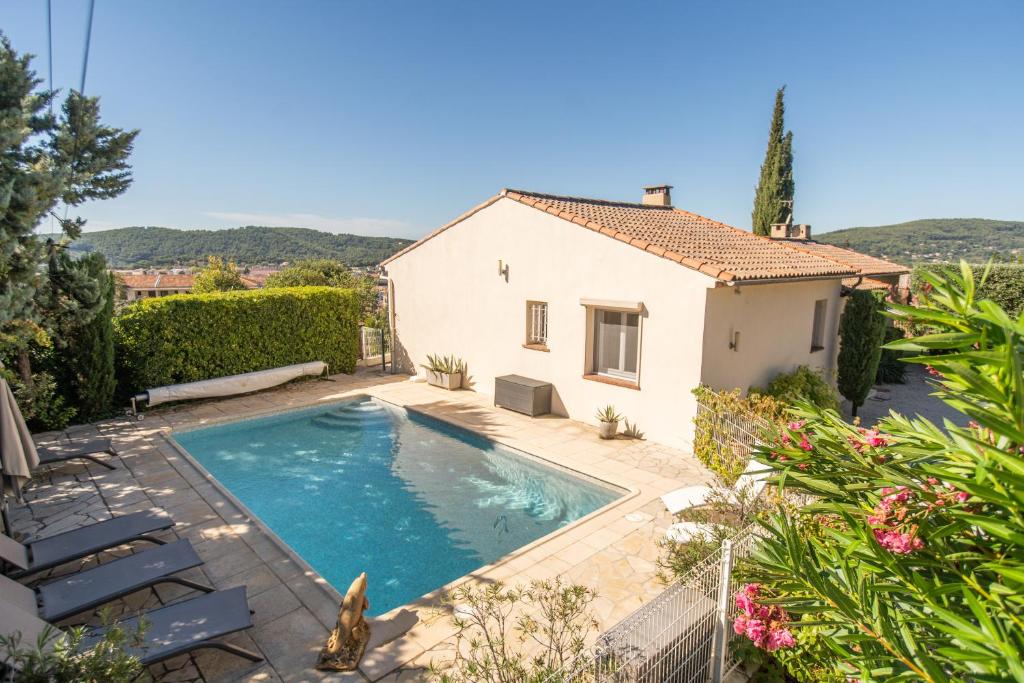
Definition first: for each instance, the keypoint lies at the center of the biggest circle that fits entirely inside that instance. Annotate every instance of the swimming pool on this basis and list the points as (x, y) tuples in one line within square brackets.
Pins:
[(414, 502)]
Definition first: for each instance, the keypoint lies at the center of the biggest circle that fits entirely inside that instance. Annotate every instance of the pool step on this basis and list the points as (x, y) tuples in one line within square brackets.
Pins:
[(353, 415)]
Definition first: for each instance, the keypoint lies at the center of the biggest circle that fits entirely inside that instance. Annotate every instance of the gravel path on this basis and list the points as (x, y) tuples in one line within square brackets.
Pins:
[(912, 398)]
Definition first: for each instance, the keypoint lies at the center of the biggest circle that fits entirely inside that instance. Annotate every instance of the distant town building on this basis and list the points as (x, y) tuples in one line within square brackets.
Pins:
[(146, 285)]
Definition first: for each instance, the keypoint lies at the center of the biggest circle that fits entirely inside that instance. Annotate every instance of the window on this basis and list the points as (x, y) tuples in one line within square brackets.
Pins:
[(616, 344), (536, 324), (818, 329)]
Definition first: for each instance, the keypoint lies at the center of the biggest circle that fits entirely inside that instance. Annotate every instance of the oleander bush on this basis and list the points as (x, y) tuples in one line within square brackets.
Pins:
[(908, 561), (189, 337)]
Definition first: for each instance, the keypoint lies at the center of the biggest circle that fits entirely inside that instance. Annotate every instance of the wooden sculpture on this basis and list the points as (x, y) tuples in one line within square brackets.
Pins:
[(347, 643)]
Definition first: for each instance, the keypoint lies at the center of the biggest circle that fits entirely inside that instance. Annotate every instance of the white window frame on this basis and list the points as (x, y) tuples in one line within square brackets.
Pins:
[(537, 323), (615, 373), (818, 320)]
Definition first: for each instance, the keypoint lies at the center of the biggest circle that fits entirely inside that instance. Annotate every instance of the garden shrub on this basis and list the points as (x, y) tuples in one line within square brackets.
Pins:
[(728, 463), (535, 633), (189, 337), (891, 368), (920, 571), (61, 657), (41, 404), (1004, 284), (801, 383)]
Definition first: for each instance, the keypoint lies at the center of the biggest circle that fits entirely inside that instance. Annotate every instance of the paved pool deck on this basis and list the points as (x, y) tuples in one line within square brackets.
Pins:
[(613, 551)]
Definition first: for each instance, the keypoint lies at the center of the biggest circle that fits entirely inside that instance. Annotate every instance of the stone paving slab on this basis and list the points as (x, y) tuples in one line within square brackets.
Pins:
[(294, 607)]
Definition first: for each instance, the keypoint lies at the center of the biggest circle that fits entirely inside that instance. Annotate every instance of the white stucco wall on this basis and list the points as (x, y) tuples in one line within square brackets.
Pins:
[(449, 298), (775, 323)]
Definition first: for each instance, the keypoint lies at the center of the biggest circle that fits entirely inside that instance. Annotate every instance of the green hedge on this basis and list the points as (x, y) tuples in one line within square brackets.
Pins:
[(1004, 286), (189, 337)]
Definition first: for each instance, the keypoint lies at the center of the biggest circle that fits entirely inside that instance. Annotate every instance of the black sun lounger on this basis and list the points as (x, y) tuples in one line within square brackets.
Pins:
[(190, 625), (93, 587), (77, 450), (45, 553), (170, 631)]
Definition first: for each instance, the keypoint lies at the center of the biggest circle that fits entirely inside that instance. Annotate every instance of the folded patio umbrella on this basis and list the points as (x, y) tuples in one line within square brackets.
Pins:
[(18, 455)]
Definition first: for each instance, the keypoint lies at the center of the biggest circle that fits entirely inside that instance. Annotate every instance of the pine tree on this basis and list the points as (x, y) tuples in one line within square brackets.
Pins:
[(775, 186), (861, 334), (45, 159)]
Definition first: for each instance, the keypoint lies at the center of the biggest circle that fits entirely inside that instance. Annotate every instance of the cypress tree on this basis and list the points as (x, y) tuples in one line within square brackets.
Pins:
[(87, 367), (776, 183), (861, 333)]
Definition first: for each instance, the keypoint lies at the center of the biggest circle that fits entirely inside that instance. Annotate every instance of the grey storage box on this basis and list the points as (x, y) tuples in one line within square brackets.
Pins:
[(522, 394)]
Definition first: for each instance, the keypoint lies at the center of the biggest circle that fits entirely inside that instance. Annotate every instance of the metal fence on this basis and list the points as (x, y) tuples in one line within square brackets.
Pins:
[(734, 435), (681, 636), (371, 342)]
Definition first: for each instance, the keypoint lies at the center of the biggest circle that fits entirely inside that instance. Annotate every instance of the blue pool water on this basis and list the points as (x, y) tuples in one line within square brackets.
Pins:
[(366, 486)]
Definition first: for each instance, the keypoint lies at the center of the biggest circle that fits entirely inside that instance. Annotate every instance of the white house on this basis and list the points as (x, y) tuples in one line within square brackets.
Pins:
[(618, 303)]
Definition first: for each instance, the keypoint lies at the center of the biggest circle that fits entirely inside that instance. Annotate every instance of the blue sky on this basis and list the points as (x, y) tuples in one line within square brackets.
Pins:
[(394, 117)]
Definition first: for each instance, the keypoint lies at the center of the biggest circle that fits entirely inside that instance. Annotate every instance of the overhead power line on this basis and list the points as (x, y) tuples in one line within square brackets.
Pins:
[(88, 39)]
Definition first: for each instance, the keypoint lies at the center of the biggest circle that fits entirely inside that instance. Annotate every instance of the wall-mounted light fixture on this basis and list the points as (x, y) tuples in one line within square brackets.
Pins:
[(503, 269), (734, 343)]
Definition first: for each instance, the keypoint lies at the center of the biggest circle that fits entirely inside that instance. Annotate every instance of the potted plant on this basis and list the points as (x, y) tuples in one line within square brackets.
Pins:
[(444, 371), (609, 420)]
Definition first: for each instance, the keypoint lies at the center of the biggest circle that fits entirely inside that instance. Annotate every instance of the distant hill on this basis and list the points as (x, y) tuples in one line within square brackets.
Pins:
[(148, 247), (935, 239)]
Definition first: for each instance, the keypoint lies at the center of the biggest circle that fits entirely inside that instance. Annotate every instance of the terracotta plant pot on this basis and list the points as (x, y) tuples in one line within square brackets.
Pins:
[(444, 380), (608, 429)]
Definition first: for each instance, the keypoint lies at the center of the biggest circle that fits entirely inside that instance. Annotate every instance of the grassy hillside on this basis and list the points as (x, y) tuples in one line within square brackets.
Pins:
[(935, 239), (144, 247)]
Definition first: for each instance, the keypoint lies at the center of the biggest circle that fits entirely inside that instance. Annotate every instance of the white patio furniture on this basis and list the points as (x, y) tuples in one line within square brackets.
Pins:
[(752, 481)]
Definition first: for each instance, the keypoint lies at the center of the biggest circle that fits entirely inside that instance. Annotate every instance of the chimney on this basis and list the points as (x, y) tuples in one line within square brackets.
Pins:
[(788, 231), (658, 195)]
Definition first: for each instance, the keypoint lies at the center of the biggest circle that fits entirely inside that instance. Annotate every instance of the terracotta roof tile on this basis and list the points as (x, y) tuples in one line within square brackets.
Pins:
[(158, 281), (862, 263), (713, 248)]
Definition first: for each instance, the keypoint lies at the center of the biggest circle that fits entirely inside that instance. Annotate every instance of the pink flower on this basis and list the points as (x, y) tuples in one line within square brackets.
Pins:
[(806, 445), (797, 426), (780, 638), (745, 603), (740, 625), (962, 497), (876, 440), (757, 631), (898, 542)]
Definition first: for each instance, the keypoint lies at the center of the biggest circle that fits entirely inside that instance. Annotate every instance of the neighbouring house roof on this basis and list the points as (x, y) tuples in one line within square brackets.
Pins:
[(711, 247), (866, 283), (158, 281), (864, 264)]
